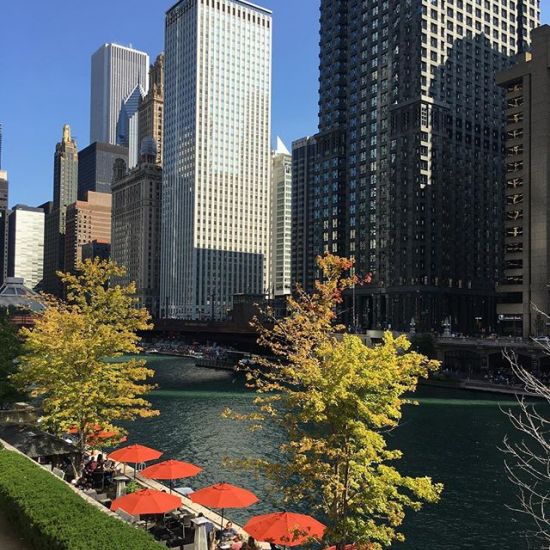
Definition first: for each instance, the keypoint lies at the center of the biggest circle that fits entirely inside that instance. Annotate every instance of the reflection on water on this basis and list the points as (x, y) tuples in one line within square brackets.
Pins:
[(451, 436)]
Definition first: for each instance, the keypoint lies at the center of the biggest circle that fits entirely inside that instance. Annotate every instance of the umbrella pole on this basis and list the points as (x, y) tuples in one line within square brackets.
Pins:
[(222, 518), (170, 486)]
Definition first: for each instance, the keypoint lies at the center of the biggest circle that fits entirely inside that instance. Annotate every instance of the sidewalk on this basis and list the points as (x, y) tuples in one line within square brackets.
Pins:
[(9, 540)]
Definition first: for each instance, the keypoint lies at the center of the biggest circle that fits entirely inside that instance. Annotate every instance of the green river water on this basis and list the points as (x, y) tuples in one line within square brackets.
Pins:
[(452, 436)]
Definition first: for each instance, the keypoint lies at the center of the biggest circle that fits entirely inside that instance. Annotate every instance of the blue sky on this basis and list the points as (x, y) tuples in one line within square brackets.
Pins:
[(45, 73)]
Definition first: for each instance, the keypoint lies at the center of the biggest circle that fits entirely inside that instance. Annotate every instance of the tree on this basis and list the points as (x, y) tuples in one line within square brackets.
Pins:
[(333, 397), (10, 347), (68, 355), (527, 462)]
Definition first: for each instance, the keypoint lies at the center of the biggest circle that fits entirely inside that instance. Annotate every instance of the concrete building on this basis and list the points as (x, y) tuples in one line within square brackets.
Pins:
[(116, 71), (409, 172), (26, 244), (4, 188), (96, 167), (281, 220), (151, 116), (96, 249), (136, 226), (524, 284), (65, 187), (304, 157), (216, 180), (87, 221)]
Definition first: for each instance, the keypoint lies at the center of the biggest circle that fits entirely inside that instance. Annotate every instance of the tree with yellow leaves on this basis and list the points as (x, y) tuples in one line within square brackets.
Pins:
[(68, 355), (334, 397)]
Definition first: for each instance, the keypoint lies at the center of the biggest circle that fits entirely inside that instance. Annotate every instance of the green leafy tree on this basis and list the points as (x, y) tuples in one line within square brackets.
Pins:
[(67, 356), (10, 348), (334, 398)]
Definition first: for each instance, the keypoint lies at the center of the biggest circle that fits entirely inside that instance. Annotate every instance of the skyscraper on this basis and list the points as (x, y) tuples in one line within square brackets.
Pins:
[(524, 285), (409, 178), (151, 116), (216, 181), (26, 244), (304, 156), (4, 186), (96, 167), (127, 127), (116, 71), (65, 186), (281, 219), (136, 225)]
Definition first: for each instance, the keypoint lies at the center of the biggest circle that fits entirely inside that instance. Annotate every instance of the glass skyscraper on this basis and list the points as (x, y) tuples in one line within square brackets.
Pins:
[(216, 181), (116, 71)]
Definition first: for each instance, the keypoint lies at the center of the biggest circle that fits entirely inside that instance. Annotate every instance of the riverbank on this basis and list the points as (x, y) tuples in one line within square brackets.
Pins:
[(477, 386)]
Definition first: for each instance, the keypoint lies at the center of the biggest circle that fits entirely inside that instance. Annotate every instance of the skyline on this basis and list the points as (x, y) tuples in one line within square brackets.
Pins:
[(54, 88)]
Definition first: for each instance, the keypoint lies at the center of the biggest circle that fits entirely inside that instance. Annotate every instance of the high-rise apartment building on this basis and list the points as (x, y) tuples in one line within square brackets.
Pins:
[(409, 179), (304, 165), (116, 72), (96, 167), (216, 181), (65, 187), (26, 244), (87, 221), (524, 285), (4, 187), (151, 116), (136, 225), (281, 220)]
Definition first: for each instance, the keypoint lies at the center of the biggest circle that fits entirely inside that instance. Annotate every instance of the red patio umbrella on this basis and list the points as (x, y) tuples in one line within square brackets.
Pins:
[(285, 528), (146, 501), (135, 454), (171, 469), (99, 434), (224, 495)]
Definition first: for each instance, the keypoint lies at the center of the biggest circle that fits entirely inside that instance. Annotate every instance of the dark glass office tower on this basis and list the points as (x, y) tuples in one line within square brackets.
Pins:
[(95, 167), (409, 154)]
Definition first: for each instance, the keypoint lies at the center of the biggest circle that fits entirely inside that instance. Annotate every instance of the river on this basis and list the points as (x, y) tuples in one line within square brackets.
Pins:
[(452, 436)]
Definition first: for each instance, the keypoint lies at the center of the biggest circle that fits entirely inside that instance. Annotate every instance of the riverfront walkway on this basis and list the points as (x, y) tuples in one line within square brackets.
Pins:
[(9, 539)]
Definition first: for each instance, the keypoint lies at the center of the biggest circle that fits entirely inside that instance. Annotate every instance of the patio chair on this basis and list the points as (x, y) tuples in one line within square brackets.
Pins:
[(58, 473)]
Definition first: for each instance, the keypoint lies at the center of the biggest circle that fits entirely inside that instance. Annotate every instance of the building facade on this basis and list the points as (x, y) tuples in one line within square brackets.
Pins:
[(116, 71), (127, 127), (65, 188), (87, 221), (151, 116), (523, 288), (26, 244), (304, 165), (96, 167), (4, 188), (136, 226), (216, 161), (409, 172), (281, 220)]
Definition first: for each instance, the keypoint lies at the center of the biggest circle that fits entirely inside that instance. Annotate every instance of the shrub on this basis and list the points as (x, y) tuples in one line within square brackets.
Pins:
[(51, 516)]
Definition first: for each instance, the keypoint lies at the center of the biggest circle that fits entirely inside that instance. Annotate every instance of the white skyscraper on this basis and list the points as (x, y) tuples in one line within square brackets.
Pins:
[(26, 244), (116, 71), (281, 220), (216, 181)]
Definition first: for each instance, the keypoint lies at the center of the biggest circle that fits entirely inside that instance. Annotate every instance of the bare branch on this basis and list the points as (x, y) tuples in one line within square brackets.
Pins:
[(527, 461)]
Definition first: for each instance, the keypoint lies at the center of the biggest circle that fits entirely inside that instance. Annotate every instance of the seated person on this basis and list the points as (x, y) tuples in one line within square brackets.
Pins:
[(228, 532), (237, 543)]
